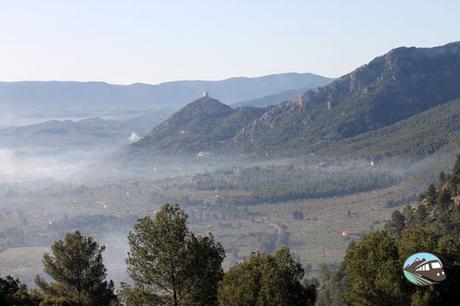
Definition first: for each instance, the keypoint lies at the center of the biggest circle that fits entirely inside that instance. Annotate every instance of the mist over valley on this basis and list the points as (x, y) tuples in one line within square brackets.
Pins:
[(279, 188), (87, 174)]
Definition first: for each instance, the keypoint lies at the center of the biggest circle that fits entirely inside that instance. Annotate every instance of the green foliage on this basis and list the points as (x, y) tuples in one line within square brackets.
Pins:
[(60, 301), (372, 267), (374, 271), (170, 265), (454, 178), (273, 184), (12, 292), (389, 89), (75, 264), (203, 124), (266, 280), (396, 223), (440, 205), (416, 239), (418, 136), (140, 296), (332, 286)]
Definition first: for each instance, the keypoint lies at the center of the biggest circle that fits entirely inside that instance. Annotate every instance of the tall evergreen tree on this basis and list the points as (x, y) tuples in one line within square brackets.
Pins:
[(332, 286), (454, 178), (396, 223), (374, 272), (429, 196), (79, 275), (266, 280), (170, 265), (420, 214)]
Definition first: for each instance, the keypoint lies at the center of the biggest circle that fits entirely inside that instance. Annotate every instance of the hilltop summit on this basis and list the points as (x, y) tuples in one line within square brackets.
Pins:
[(201, 125), (389, 89)]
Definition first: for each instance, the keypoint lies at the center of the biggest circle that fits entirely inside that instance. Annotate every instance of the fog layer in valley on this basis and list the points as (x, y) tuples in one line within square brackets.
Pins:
[(24, 167), (248, 204), (64, 173)]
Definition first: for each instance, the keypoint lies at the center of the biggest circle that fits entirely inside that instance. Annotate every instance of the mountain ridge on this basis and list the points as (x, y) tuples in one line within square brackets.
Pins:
[(201, 125), (274, 99), (414, 137), (390, 88), (66, 96)]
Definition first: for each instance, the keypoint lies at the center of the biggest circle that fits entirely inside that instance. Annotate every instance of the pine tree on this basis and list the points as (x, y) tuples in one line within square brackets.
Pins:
[(170, 265), (442, 178), (396, 224), (430, 195), (374, 272), (420, 214), (75, 264), (454, 178), (443, 201), (266, 280)]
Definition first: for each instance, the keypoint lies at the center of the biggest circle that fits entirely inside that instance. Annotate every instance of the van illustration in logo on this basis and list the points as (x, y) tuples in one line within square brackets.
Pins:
[(424, 269)]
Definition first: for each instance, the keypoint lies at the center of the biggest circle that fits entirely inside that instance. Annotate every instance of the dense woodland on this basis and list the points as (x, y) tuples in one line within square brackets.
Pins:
[(416, 137), (274, 184), (170, 265), (371, 274)]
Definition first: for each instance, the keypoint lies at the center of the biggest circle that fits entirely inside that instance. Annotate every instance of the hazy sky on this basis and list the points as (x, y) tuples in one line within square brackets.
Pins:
[(155, 41)]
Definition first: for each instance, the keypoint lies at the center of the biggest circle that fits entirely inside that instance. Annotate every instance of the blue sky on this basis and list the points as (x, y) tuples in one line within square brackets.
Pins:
[(156, 41)]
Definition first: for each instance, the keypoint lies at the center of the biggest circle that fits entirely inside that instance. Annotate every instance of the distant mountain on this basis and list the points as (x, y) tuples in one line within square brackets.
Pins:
[(70, 134), (391, 88), (272, 99), (280, 97), (60, 97), (201, 125)]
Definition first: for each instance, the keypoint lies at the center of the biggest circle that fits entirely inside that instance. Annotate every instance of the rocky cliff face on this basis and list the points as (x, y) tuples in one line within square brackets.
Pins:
[(391, 88)]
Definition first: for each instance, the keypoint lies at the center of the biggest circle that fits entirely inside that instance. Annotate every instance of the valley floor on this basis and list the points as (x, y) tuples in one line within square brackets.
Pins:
[(321, 236)]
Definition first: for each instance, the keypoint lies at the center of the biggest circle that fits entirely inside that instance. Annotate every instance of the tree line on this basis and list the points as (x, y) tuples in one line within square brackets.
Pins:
[(168, 265), (275, 184)]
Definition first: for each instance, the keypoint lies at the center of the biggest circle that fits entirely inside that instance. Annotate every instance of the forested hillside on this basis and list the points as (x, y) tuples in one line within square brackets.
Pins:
[(418, 136), (393, 87), (372, 273)]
